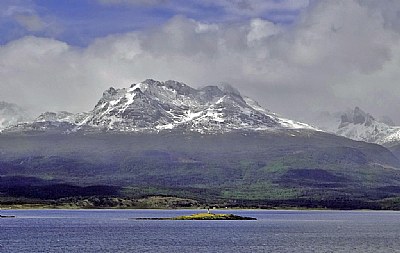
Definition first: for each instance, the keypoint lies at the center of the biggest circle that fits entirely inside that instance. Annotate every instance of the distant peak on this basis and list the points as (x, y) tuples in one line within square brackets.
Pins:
[(357, 117)]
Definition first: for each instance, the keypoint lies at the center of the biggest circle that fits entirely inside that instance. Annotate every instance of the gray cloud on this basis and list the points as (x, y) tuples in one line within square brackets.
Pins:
[(339, 54)]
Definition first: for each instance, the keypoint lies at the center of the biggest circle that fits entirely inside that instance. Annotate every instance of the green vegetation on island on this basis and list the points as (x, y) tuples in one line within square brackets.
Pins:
[(212, 216), (204, 216)]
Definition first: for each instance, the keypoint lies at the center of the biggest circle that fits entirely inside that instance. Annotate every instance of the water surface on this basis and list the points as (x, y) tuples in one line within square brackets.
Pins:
[(274, 231)]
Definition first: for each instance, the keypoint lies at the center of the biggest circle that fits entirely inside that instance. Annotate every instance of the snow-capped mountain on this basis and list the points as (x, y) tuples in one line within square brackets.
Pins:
[(155, 106), (361, 126), (61, 121), (11, 114)]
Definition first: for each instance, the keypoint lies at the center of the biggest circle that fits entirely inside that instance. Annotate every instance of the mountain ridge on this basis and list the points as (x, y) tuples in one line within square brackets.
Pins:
[(152, 106)]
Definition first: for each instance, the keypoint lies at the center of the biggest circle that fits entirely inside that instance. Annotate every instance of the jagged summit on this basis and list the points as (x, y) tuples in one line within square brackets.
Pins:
[(359, 125), (155, 106), (357, 117)]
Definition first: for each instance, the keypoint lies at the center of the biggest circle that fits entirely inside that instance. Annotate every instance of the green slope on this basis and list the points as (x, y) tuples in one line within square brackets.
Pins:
[(283, 168)]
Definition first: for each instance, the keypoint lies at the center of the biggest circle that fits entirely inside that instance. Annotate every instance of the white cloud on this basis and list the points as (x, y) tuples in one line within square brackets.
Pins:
[(25, 14), (31, 22), (339, 54)]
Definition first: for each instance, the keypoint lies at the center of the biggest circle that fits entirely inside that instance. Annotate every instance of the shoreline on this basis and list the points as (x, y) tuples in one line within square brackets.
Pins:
[(9, 208)]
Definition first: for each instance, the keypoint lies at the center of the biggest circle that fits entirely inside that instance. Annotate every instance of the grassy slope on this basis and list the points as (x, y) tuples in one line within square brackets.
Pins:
[(306, 170)]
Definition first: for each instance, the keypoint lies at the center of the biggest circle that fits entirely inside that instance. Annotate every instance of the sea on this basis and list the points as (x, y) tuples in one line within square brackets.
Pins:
[(273, 231)]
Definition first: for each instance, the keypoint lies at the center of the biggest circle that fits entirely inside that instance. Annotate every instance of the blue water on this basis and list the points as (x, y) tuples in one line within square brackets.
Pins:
[(274, 231)]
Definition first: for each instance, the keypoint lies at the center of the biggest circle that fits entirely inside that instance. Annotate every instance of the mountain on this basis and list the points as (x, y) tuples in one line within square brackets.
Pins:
[(361, 126), (55, 122), (155, 106), (152, 106), (211, 145), (11, 114)]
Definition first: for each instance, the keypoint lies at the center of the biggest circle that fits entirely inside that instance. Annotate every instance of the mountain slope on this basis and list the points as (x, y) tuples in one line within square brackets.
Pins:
[(284, 167)]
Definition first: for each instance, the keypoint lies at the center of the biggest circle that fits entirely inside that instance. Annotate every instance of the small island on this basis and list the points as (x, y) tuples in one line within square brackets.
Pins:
[(203, 216), (7, 216)]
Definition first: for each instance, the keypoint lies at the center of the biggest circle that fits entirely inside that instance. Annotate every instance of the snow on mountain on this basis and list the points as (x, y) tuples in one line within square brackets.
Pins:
[(154, 106), (50, 121), (11, 114), (361, 126)]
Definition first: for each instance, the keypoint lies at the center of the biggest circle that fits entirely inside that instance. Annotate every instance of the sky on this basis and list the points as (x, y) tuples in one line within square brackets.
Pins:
[(295, 57)]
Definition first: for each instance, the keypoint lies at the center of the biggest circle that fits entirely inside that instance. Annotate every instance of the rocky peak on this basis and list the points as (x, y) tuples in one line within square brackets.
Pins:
[(361, 126), (357, 117)]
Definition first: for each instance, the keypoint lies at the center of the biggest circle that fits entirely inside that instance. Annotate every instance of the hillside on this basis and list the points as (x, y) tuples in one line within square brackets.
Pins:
[(284, 168)]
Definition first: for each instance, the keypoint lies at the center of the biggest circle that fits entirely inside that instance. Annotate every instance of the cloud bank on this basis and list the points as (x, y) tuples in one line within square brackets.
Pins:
[(337, 54)]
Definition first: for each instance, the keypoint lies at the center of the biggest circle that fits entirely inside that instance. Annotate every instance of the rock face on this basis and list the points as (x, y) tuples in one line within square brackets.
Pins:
[(152, 106), (361, 126), (357, 117)]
